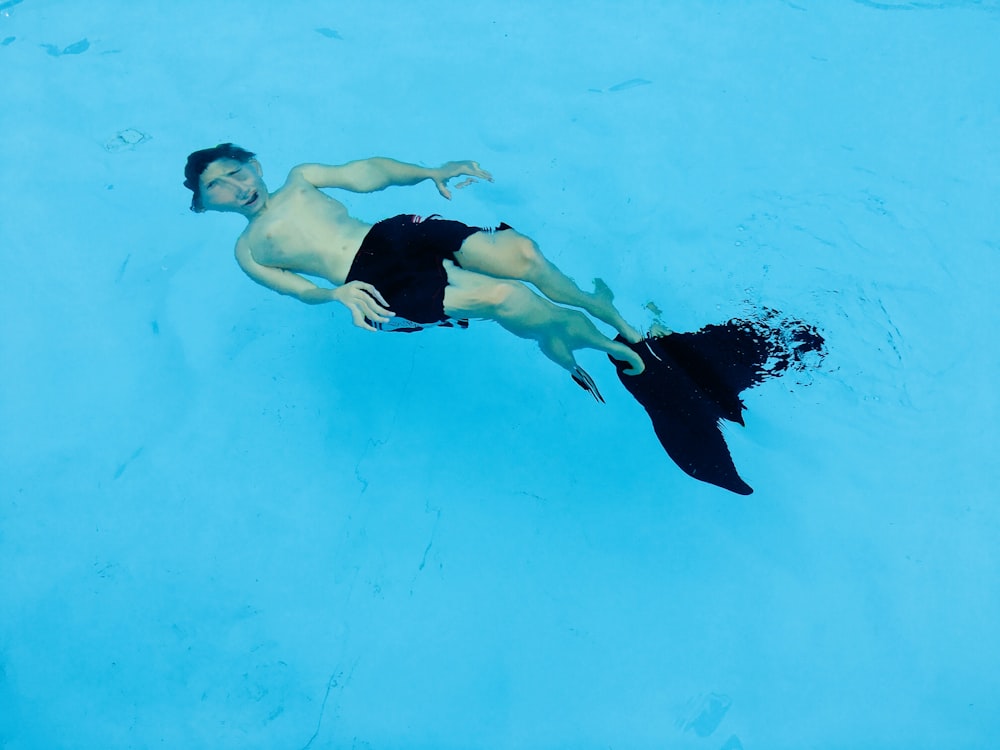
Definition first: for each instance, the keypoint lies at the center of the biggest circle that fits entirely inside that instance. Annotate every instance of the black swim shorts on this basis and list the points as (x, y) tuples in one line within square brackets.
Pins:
[(402, 258)]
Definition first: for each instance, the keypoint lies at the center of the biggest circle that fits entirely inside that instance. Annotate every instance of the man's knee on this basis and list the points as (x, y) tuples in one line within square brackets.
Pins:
[(481, 295), (525, 256), (502, 296)]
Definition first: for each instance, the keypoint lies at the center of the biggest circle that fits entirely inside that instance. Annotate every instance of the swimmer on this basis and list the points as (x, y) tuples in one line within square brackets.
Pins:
[(406, 272), (409, 272)]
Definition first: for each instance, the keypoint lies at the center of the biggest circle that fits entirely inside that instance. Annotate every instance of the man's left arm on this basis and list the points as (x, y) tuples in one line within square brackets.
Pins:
[(378, 173)]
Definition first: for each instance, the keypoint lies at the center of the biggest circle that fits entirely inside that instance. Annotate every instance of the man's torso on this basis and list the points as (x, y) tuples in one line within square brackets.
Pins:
[(306, 231)]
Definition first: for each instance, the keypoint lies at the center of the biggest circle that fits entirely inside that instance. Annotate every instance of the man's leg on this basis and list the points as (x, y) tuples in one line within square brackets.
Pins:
[(557, 330), (508, 254)]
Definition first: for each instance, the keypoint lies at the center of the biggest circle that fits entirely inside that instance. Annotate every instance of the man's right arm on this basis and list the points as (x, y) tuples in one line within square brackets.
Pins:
[(361, 298), (280, 280)]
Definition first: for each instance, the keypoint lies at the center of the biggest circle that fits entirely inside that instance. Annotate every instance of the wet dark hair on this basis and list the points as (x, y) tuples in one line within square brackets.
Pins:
[(199, 161)]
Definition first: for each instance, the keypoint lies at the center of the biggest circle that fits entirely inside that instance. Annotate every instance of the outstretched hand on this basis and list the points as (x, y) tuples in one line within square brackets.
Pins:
[(365, 304), (452, 169)]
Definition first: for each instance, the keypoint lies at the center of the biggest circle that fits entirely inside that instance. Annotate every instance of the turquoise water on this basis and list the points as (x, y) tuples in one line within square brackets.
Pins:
[(230, 520)]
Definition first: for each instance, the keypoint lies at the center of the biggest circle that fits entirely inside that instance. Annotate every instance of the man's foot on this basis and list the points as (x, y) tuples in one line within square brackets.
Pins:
[(604, 309), (622, 353)]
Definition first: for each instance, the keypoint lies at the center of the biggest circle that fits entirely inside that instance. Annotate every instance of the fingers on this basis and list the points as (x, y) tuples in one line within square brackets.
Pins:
[(373, 310), (372, 291), (456, 169), (373, 305), (370, 303), (469, 168), (478, 171), (378, 314), (367, 305), (360, 322), (442, 186)]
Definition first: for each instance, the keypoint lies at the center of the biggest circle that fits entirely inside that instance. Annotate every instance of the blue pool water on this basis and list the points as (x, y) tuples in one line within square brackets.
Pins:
[(230, 520)]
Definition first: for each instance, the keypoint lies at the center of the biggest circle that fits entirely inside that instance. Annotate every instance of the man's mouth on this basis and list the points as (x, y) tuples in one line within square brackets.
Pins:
[(253, 199)]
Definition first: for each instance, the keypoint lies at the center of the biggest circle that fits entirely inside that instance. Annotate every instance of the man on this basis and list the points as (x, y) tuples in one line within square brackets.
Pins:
[(437, 272), (424, 271)]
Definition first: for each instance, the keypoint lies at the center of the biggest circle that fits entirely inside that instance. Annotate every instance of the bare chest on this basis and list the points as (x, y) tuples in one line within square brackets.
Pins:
[(309, 234)]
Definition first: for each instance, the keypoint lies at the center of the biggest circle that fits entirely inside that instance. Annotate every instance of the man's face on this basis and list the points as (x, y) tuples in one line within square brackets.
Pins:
[(228, 185)]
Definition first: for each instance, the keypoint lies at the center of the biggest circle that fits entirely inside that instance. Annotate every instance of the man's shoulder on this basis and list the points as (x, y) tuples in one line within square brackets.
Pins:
[(297, 177), (295, 184), (243, 241), (249, 235)]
